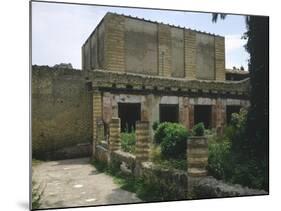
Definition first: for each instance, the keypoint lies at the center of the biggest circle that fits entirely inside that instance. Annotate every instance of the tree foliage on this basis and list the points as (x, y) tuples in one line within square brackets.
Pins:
[(255, 137)]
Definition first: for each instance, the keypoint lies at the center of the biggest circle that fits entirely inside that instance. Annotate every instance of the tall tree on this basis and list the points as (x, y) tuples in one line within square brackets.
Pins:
[(258, 48), (256, 142)]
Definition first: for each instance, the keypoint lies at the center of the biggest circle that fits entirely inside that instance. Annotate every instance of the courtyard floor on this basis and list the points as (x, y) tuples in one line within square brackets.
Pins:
[(75, 182)]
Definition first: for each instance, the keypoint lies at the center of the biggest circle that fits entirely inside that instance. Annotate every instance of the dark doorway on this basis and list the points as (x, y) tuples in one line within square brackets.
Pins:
[(203, 113), (169, 113), (230, 110), (129, 113)]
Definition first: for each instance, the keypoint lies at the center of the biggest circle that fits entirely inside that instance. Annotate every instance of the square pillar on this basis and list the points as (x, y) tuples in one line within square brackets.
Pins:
[(114, 135), (97, 115)]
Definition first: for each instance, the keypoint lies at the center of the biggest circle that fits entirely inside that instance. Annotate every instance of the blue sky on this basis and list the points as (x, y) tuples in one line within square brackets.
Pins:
[(59, 30)]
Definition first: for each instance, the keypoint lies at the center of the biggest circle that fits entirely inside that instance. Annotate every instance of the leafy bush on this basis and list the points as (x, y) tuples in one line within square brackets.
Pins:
[(128, 142), (172, 139), (218, 162), (155, 125), (160, 132), (198, 129), (157, 158), (231, 157)]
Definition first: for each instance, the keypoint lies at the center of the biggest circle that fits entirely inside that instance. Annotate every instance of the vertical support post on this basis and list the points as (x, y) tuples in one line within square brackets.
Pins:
[(114, 135), (97, 114), (197, 161), (142, 144), (197, 156)]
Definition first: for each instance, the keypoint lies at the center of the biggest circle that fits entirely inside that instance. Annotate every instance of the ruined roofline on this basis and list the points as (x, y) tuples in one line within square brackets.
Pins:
[(167, 24), (111, 80), (149, 21), (124, 74)]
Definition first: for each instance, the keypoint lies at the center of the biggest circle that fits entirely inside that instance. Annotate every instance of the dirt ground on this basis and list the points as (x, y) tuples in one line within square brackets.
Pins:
[(75, 182)]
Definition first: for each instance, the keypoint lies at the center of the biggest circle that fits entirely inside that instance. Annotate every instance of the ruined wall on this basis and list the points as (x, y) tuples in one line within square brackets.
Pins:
[(146, 47), (205, 57), (61, 111), (140, 47)]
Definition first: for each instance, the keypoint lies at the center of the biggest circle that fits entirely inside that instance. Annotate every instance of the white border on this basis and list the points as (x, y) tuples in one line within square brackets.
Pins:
[(14, 112)]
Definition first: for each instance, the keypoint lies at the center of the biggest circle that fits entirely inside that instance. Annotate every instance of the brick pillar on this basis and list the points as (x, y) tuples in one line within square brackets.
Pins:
[(164, 50), (190, 54), (114, 43), (220, 58), (186, 112), (142, 142), (219, 116), (197, 161), (197, 156), (97, 115), (142, 145), (114, 135)]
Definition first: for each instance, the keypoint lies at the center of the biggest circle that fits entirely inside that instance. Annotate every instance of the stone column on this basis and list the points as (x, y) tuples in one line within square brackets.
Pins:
[(142, 145), (97, 114), (219, 116), (197, 156), (114, 135), (197, 161), (142, 142)]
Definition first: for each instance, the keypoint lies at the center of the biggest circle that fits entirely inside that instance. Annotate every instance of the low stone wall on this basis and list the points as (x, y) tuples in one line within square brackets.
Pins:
[(169, 180), (125, 160), (101, 154), (209, 187)]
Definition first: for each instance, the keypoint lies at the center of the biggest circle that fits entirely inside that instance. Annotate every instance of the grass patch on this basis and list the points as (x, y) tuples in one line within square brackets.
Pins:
[(128, 142), (145, 188), (37, 193), (157, 158)]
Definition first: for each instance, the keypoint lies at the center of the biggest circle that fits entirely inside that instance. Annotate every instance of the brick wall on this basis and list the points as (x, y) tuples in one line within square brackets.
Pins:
[(114, 43), (164, 50), (219, 58), (117, 57), (61, 110), (190, 54)]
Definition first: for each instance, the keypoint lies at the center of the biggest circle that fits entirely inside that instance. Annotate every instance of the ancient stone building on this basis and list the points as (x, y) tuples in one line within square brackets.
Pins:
[(135, 70), (149, 71)]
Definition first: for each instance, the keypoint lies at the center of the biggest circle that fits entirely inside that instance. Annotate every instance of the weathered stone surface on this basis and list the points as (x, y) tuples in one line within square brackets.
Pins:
[(168, 179), (101, 78), (151, 48), (197, 156), (209, 187), (101, 154), (61, 110)]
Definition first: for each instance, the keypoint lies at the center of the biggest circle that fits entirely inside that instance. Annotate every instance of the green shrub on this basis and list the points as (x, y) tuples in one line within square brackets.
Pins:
[(231, 156), (157, 158), (160, 132), (198, 129), (172, 139), (219, 159), (155, 125), (128, 142)]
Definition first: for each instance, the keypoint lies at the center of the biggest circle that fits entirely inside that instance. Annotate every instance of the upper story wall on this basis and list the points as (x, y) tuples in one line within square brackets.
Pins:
[(125, 44)]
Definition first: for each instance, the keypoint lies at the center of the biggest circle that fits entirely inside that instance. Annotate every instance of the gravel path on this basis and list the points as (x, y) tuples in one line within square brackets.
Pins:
[(70, 183)]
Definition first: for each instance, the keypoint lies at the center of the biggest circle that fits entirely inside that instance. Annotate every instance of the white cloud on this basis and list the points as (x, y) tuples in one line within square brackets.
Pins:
[(234, 42)]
